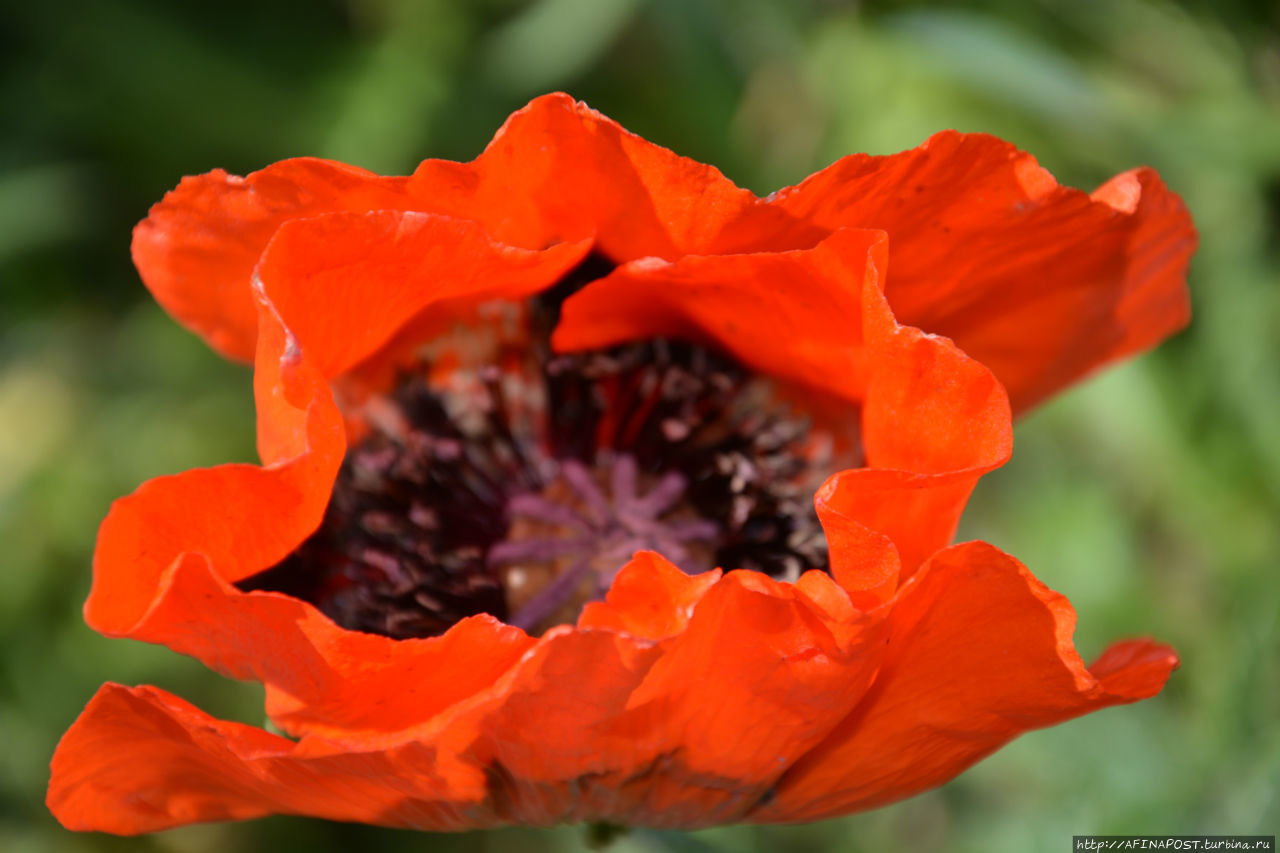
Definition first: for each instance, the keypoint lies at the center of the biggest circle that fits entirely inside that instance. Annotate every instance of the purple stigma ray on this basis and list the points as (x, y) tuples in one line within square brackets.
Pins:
[(578, 477), (551, 596), (539, 508), (661, 498), (622, 479), (617, 526), (520, 488)]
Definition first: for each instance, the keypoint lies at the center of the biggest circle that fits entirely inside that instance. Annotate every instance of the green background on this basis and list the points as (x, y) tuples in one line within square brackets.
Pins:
[(1150, 495)]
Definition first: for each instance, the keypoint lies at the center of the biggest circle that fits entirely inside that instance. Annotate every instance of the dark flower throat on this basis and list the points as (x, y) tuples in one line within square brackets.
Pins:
[(520, 490)]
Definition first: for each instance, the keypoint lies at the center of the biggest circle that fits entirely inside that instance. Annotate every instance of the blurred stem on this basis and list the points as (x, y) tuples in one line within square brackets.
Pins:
[(601, 834)]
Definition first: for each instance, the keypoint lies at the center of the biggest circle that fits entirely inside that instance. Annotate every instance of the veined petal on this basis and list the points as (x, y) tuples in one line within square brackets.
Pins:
[(343, 283), (934, 420), (589, 724), (163, 573), (948, 694), (1040, 282), (795, 315), (649, 598), (198, 768), (558, 170), (197, 248)]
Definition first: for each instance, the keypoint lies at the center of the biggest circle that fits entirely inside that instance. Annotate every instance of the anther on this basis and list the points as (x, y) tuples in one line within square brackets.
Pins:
[(521, 490)]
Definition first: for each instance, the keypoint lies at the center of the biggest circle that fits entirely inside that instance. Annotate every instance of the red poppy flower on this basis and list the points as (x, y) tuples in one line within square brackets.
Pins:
[(432, 571)]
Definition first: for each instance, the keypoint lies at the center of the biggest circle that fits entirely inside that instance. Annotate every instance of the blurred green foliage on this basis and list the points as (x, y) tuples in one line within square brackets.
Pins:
[(1150, 495)]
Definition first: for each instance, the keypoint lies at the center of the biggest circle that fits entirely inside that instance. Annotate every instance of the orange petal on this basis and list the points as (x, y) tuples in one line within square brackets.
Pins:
[(548, 735), (933, 422), (197, 248), (163, 572), (596, 725), (534, 749), (748, 683), (864, 562), (650, 598), (242, 518), (141, 760), (795, 315), (947, 695), (321, 678), (1042, 283), (558, 170), (261, 513), (687, 733), (758, 678), (344, 283)]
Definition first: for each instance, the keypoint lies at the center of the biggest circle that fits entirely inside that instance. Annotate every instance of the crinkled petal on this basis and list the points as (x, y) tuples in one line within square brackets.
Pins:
[(141, 760), (691, 731), (760, 709), (947, 694), (321, 678), (795, 315), (650, 598), (343, 283), (758, 678), (241, 517), (551, 738), (533, 749), (933, 419), (1040, 282), (552, 741), (197, 248), (163, 571), (558, 170), (588, 724), (933, 422)]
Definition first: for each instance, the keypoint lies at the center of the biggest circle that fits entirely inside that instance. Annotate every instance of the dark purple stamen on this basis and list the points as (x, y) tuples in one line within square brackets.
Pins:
[(521, 490)]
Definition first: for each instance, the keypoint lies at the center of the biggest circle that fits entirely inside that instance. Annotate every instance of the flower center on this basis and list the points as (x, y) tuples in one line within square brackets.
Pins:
[(519, 489), (565, 545)]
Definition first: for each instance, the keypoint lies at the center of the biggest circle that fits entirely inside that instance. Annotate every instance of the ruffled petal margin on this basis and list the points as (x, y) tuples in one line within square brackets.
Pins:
[(198, 768), (761, 707), (933, 419), (556, 172), (1043, 283), (1040, 282), (197, 248), (163, 573), (808, 331), (332, 290), (948, 695), (678, 701), (933, 422), (588, 724)]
